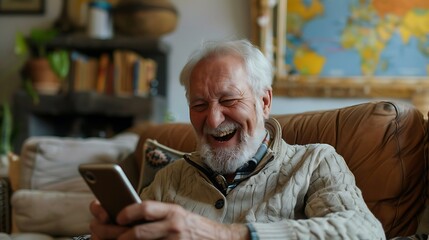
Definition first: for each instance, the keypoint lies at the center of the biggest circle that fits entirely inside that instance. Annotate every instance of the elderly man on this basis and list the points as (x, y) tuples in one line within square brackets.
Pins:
[(244, 181)]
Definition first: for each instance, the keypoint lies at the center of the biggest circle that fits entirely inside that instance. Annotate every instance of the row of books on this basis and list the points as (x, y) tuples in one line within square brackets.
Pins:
[(122, 72)]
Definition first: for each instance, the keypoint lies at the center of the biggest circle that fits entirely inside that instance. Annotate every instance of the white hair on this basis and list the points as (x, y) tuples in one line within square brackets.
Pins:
[(259, 69)]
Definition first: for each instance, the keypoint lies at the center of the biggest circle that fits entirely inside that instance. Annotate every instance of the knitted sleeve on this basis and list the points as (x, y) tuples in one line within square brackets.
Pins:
[(334, 206)]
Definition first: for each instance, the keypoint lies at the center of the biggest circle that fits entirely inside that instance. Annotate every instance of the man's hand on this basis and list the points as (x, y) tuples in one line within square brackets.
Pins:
[(163, 221), (100, 226)]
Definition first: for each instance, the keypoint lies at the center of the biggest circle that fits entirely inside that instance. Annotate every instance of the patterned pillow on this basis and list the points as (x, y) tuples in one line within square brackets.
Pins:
[(155, 157)]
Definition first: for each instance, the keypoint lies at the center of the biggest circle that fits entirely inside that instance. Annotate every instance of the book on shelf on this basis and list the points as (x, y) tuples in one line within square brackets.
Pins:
[(121, 73), (84, 72), (102, 71), (145, 74)]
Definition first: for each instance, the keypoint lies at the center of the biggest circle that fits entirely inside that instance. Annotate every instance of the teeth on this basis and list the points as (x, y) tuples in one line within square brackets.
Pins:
[(224, 129), (223, 133)]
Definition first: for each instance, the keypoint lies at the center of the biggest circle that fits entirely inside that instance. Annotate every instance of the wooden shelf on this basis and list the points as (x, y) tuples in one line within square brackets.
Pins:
[(83, 42), (92, 103), (63, 114)]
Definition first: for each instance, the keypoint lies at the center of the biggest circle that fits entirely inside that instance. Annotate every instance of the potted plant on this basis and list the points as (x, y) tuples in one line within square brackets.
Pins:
[(45, 69), (55, 64)]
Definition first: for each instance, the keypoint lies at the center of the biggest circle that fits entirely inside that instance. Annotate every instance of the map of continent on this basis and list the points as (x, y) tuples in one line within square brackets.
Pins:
[(351, 38)]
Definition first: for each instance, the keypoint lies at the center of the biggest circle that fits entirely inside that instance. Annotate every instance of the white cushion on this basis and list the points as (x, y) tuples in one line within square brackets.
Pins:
[(51, 163), (52, 213)]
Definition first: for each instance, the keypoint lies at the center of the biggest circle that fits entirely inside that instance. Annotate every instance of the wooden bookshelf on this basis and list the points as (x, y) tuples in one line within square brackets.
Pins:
[(149, 48), (89, 112)]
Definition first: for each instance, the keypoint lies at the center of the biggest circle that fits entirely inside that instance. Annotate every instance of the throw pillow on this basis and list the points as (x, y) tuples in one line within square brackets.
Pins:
[(52, 212), (50, 163), (155, 157)]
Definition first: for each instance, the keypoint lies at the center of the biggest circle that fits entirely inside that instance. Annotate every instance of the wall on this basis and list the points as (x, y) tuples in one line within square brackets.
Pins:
[(199, 20), (208, 19)]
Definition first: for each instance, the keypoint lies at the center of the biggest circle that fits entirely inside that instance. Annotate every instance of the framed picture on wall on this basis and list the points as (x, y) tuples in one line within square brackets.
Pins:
[(22, 7), (343, 48)]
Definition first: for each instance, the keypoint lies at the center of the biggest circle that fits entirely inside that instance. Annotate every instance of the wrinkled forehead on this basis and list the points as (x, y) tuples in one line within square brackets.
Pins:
[(219, 73), (218, 67), (216, 63)]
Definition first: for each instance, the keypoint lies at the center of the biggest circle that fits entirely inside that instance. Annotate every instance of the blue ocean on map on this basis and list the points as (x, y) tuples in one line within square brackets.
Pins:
[(323, 35)]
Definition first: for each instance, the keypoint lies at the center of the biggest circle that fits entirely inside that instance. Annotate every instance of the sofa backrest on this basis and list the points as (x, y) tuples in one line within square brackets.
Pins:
[(384, 144)]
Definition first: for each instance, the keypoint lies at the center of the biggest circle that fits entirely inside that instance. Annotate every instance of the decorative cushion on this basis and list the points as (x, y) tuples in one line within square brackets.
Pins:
[(155, 157), (179, 136)]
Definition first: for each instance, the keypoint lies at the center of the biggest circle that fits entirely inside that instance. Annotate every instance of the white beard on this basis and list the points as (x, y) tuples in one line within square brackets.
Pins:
[(228, 160)]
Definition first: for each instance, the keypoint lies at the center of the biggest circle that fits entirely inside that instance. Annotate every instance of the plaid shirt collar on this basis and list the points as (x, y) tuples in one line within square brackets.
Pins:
[(245, 170)]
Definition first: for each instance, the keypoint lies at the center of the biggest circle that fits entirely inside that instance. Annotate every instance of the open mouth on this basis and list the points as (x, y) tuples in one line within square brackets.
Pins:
[(223, 137)]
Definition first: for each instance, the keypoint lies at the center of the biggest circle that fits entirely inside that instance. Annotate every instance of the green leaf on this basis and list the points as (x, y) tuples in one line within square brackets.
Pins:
[(41, 37), (21, 46), (60, 62), (28, 86), (6, 130)]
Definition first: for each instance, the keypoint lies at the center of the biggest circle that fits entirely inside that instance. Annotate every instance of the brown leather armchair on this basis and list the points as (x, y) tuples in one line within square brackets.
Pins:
[(384, 144)]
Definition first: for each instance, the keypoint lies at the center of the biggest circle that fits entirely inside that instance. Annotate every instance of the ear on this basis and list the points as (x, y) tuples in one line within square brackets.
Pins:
[(267, 99)]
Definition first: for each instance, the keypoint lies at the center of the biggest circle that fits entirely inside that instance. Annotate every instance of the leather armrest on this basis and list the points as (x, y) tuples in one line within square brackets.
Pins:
[(5, 206)]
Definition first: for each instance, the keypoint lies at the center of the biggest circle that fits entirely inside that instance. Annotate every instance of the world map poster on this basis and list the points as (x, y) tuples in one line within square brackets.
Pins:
[(357, 38)]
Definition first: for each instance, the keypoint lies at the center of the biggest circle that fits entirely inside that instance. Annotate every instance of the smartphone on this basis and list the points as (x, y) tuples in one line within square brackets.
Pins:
[(110, 186)]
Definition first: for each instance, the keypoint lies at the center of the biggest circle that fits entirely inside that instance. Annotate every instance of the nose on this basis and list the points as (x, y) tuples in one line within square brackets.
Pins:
[(215, 116)]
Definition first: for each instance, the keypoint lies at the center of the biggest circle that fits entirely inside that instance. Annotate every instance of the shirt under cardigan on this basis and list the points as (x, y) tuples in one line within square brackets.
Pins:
[(295, 192)]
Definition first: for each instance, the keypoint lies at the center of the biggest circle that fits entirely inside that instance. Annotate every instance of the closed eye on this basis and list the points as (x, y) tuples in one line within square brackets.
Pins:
[(228, 102), (199, 107)]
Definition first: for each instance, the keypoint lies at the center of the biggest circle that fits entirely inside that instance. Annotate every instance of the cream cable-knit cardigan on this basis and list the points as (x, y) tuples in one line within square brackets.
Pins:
[(297, 192)]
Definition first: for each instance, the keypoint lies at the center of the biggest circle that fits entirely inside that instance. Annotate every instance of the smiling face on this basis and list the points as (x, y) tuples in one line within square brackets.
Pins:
[(226, 115)]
